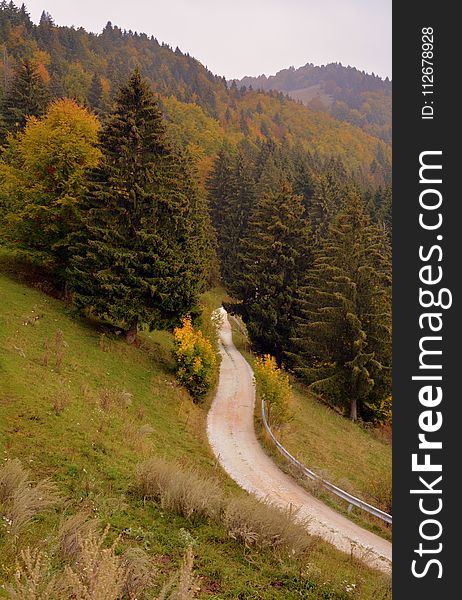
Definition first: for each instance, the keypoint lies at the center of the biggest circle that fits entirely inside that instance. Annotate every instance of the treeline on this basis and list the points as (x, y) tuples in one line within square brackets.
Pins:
[(103, 189), (308, 259), (347, 93), (90, 68), (112, 211)]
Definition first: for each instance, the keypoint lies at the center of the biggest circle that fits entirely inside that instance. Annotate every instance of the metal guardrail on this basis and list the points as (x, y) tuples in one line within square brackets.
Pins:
[(352, 500)]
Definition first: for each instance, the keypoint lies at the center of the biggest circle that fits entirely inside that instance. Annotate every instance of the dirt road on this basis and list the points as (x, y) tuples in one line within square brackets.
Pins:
[(231, 434)]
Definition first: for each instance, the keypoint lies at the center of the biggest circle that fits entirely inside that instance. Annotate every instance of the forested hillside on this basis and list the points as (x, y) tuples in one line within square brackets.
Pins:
[(134, 186), (346, 93), (202, 109), (137, 178)]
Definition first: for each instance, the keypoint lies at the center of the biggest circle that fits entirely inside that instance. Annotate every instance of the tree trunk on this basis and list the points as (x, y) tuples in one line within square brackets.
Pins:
[(130, 334), (353, 409)]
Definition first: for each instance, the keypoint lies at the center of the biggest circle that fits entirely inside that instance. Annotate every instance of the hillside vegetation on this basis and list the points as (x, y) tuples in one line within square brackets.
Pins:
[(82, 407), (350, 95), (133, 184), (201, 107)]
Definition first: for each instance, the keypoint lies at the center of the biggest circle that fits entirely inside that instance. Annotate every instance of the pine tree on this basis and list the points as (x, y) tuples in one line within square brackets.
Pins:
[(95, 94), (274, 256), (328, 191), (27, 96), (135, 262), (384, 210), (232, 194), (344, 331)]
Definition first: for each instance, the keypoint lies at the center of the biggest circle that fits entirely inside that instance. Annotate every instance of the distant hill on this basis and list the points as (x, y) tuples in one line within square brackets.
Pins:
[(202, 109), (346, 93)]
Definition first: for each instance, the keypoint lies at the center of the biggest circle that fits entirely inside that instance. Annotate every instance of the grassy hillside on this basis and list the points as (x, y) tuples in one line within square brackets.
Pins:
[(80, 406)]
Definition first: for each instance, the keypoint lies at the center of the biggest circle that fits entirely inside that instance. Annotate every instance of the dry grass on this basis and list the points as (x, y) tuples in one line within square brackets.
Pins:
[(27, 501), (33, 579), (263, 526), (98, 573), (184, 585), (109, 399), (184, 492), (12, 476), (72, 532), (253, 523), (60, 401), (21, 499), (138, 573), (138, 437)]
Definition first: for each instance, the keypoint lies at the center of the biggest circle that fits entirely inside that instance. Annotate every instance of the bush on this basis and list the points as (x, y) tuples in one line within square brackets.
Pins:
[(274, 387), (195, 360)]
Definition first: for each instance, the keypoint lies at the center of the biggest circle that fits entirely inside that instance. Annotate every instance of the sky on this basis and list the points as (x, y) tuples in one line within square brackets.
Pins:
[(235, 38)]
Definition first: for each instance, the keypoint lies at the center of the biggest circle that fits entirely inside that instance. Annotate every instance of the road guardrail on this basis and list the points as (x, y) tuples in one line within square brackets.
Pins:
[(352, 500)]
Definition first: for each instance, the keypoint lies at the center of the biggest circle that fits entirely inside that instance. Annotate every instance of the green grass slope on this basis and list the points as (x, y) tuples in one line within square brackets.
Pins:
[(78, 405)]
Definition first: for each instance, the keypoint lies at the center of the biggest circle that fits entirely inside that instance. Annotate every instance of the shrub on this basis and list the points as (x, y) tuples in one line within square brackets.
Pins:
[(274, 387), (380, 412), (195, 359)]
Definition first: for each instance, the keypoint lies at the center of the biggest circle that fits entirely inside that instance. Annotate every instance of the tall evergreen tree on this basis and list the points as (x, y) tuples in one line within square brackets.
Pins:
[(384, 210), (232, 195), (26, 97), (135, 262), (95, 94), (328, 190), (344, 331), (274, 256)]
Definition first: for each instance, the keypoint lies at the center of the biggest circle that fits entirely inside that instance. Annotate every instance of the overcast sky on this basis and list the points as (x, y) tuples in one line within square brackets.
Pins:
[(246, 37)]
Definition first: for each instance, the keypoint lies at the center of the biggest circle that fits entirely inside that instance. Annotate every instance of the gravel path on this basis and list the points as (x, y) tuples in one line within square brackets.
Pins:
[(231, 434)]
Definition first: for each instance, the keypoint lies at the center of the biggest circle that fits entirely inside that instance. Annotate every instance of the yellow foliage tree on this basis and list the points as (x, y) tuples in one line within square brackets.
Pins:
[(43, 173), (274, 387)]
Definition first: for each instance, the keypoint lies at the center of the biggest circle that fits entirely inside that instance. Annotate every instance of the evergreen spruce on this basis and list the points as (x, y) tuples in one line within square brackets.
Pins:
[(274, 256), (136, 261), (95, 95), (344, 331), (232, 195), (26, 97)]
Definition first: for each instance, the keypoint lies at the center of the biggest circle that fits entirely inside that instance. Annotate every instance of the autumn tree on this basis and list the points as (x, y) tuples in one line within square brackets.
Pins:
[(44, 171), (344, 332), (135, 262)]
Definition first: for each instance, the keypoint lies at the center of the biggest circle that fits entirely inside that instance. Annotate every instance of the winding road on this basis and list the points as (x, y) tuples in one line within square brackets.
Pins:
[(231, 434)]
